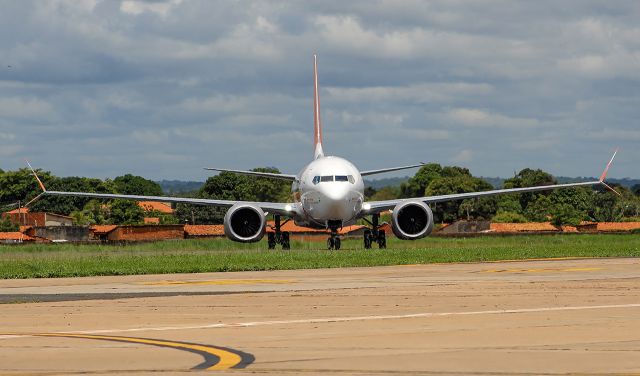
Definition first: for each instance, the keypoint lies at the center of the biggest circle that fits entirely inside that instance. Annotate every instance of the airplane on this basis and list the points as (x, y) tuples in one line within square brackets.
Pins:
[(328, 193)]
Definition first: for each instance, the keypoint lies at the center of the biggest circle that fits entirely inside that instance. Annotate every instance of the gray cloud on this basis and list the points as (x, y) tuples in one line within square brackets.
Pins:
[(163, 88)]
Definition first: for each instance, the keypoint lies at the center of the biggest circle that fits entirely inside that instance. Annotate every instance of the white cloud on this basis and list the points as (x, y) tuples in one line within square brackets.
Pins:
[(463, 156), (472, 117), (25, 108), (418, 93), (136, 7)]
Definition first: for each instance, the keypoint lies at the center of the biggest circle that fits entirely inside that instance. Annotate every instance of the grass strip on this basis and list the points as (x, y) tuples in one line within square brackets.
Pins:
[(221, 255)]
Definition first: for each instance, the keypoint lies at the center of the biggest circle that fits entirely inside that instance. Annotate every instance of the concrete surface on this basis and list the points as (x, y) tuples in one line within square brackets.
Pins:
[(511, 318)]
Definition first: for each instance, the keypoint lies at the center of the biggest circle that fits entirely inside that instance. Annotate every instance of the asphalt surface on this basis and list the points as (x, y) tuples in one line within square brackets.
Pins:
[(550, 317)]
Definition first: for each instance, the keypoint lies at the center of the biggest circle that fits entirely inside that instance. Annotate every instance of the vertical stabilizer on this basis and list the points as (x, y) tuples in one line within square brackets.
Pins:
[(317, 125)]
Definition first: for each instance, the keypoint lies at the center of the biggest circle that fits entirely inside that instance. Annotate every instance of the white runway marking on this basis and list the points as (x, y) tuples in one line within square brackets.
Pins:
[(345, 319)]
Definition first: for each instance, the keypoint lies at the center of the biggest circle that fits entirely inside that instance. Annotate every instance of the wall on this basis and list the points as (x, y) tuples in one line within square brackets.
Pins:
[(155, 232), (62, 233)]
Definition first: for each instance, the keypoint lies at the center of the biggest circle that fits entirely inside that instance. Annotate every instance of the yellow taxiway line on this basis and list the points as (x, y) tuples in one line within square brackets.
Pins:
[(215, 358)]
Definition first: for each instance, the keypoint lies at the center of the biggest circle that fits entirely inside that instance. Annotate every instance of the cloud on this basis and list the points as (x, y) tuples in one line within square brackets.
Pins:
[(101, 83), (463, 156), (472, 117)]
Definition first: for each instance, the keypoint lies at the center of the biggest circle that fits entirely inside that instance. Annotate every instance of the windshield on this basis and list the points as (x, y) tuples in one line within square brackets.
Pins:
[(329, 178)]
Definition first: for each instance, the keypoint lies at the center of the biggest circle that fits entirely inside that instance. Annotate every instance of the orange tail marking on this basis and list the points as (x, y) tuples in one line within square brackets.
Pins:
[(317, 124)]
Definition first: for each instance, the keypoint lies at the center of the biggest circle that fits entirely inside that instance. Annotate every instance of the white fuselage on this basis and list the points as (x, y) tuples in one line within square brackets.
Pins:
[(329, 189)]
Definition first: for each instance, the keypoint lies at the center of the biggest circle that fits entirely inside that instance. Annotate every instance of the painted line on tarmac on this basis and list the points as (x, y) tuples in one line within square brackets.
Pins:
[(215, 357), (221, 282), (348, 319), (541, 270)]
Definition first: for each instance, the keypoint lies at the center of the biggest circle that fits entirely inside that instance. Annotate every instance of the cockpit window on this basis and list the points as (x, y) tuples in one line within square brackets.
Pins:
[(326, 178), (342, 178), (316, 180), (352, 180)]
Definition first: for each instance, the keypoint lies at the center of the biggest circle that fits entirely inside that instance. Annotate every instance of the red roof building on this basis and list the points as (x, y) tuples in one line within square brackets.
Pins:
[(155, 206)]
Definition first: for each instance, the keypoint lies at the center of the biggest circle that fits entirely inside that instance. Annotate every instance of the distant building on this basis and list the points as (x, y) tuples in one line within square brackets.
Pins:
[(161, 207), (24, 217), (15, 237)]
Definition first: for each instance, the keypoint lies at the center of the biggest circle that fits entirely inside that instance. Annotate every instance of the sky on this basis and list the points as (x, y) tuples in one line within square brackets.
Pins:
[(164, 88)]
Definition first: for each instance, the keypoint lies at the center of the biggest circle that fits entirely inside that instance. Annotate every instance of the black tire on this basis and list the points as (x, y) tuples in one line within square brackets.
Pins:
[(271, 240), (382, 239), (286, 244), (336, 244), (330, 243), (367, 239)]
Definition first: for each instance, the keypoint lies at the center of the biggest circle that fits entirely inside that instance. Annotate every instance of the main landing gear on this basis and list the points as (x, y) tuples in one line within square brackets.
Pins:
[(334, 241), (278, 236), (374, 234)]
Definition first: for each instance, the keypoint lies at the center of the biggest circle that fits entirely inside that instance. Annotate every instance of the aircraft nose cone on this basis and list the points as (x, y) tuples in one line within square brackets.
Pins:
[(336, 193)]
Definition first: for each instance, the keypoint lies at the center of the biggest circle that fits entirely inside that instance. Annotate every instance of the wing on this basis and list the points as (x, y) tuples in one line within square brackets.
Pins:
[(380, 206), (383, 170), (270, 207), (255, 173)]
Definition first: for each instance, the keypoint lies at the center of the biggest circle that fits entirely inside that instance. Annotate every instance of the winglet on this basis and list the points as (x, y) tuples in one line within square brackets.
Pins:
[(606, 169), (604, 174), (36, 175)]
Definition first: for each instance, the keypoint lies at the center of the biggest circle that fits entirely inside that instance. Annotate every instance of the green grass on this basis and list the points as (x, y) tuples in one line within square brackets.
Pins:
[(218, 255)]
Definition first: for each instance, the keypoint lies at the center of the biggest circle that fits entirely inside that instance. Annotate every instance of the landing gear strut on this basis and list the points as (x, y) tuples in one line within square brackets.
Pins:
[(375, 234), (278, 236)]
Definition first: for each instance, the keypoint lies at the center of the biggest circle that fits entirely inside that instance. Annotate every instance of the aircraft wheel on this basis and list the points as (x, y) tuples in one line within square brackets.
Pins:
[(382, 239), (271, 240), (330, 243), (367, 239), (336, 243), (286, 245)]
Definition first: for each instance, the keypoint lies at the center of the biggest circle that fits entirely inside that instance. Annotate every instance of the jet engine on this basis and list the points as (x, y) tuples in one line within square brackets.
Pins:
[(412, 220), (245, 223)]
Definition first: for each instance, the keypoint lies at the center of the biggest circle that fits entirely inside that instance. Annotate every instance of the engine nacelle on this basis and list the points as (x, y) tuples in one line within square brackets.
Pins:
[(412, 220), (245, 223)]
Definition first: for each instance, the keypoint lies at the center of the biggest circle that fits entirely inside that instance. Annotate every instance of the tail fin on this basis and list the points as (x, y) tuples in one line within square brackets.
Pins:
[(317, 125)]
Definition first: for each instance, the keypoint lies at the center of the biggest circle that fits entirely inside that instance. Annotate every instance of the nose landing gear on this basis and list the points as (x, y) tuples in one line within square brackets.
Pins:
[(334, 241), (375, 234), (278, 236)]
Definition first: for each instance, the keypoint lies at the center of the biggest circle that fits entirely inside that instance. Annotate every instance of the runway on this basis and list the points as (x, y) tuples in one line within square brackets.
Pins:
[(572, 316)]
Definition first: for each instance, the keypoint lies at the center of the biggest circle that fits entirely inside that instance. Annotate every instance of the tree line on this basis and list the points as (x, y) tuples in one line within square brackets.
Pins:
[(565, 206)]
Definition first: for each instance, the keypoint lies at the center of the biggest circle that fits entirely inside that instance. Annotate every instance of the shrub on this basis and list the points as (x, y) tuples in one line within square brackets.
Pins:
[(509, 217)]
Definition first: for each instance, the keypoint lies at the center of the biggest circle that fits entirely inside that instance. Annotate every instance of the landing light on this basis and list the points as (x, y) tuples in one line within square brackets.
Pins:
[(366, 206), (288, 208)]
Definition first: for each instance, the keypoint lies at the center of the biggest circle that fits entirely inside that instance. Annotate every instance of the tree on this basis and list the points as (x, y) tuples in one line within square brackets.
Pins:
[(369, 192), (136, 185), (509, 217), (416, 185), (539, 210), (95, 212), (66, 205), (6, 225), (124, 212), (236, 187), (565, 214), (21, 185), (529, 178), (386, 193), (455, 183)]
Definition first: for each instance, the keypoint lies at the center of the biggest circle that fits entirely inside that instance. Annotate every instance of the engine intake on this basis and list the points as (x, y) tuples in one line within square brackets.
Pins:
[(412, 220), (245, 223)]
